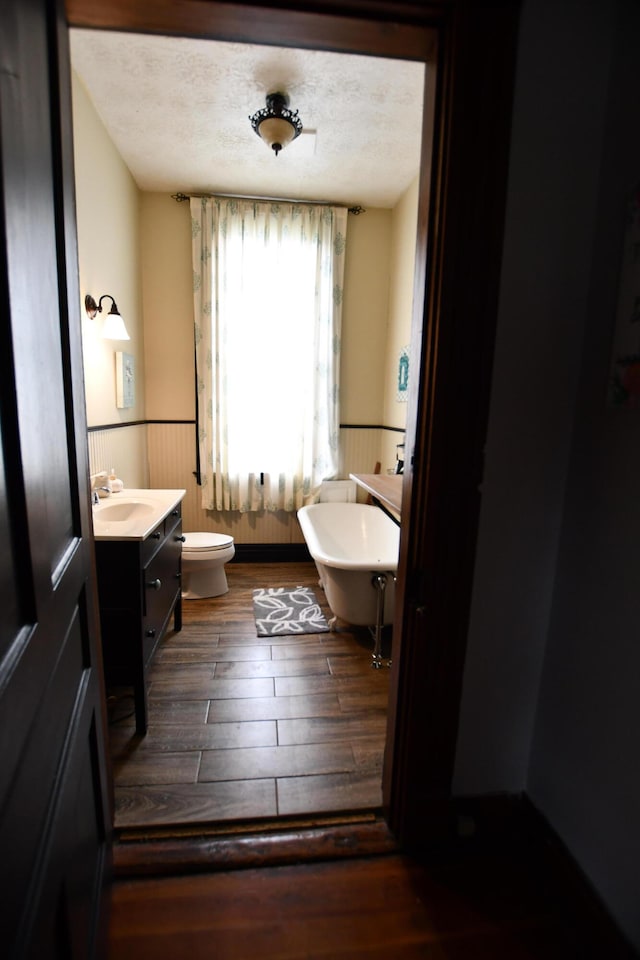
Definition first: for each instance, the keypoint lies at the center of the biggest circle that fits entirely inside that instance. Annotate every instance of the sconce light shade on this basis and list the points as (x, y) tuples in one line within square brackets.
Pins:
[(275, 123), (113, 327)]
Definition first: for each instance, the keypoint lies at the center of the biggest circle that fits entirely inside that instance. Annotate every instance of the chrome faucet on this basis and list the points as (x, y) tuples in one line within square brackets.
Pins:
[(95, 496), (99, 482)]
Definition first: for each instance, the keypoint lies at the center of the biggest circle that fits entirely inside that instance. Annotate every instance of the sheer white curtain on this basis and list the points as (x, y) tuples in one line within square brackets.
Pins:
[(268, 283)]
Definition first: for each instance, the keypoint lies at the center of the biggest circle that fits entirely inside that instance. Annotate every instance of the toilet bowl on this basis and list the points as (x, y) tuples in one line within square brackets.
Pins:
[(203, 558)]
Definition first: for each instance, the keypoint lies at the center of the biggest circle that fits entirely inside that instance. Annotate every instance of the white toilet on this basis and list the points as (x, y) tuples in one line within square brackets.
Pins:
[(203, 558)]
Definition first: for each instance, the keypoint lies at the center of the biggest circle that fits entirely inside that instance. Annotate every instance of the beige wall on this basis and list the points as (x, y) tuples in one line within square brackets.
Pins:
[(108, 252), (402, 263), (364, 317), (168, 307)]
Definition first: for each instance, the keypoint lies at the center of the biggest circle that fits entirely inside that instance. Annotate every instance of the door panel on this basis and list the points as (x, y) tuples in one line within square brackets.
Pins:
[(54, 802)]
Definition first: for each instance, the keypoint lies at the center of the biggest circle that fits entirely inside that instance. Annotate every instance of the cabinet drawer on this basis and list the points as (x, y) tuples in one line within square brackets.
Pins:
[(161, 586), (152, 544)]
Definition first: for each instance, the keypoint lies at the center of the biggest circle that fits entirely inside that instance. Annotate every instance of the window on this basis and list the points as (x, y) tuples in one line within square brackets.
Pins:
[(268, 296)]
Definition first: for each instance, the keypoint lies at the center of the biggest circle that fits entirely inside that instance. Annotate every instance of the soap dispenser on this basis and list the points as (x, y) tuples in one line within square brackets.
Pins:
[(114, 482)]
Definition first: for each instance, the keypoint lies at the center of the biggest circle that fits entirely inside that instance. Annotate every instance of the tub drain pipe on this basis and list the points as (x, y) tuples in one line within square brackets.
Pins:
[(379, 581)]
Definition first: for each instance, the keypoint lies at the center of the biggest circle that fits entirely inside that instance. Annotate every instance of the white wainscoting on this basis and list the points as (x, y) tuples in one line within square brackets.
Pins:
[(163, 455), (124, 449)]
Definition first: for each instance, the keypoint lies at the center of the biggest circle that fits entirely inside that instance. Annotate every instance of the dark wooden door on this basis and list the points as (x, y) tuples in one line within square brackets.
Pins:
[(54, 808)]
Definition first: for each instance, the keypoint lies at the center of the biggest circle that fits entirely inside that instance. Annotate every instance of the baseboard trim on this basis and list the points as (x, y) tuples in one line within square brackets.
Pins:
[(271, 553), (512, 821), (194, 849)]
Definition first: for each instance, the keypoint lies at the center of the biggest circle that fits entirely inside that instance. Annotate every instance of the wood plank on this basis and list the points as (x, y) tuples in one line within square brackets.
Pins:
[(191, 654), (307, 666), (314, 645), (194, 803), (289, 761), (274, 708), (355, 667), (357, 702), (305, 686), (203, 634), (368, 753), (337, 791), (157, 769), (211, 689), (181, 711), (177, 672), (220, 653), (206, 736), (331, 729)]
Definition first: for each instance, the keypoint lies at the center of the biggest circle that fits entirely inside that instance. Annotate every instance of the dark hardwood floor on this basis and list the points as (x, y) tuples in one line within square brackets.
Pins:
[(487, 904), (243, 727), (244, 730)]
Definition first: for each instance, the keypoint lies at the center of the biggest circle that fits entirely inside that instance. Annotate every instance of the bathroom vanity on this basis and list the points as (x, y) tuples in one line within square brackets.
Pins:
[(138, 547)]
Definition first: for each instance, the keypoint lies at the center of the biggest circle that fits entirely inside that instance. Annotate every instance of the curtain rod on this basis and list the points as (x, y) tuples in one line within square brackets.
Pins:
[(180, 197)]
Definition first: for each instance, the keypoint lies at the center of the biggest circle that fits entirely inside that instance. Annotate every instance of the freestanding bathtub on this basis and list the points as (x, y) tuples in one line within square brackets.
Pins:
[(355, 549)]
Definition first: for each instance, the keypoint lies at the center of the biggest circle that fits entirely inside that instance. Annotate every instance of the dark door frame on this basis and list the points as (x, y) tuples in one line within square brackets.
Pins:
[(472, 47)]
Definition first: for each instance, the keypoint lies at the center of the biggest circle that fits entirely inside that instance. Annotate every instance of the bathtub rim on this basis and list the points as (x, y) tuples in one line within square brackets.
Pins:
[(385, 565)]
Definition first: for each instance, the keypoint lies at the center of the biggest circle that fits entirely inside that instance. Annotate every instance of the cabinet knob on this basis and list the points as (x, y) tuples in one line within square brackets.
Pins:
[(181, 538), (175, 513), (156, 536), (150, 633), (154, 584)]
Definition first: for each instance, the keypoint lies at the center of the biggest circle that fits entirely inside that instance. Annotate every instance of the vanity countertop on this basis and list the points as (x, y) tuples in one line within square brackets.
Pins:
[(383, 487), (132, 514)]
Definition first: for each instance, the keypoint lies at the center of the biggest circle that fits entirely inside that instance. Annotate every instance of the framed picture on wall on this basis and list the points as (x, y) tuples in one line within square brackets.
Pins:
[(402, 394), (125, 379)]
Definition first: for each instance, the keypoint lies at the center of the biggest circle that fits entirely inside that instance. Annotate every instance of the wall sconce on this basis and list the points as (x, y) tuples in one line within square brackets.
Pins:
[(113, 327), (275, 123)]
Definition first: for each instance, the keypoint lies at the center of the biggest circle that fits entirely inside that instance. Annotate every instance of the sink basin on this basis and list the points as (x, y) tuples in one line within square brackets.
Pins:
[(132, 515), (126, 510)]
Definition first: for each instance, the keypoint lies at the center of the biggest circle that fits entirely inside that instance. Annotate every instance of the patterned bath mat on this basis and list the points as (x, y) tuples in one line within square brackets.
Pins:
[(280, 611)]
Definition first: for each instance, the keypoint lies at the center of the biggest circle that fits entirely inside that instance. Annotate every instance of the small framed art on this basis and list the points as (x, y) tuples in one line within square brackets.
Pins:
[(125, 379), (402, 394)]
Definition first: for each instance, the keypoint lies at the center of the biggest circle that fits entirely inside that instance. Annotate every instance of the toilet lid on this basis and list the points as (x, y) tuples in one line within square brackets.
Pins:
[(195, 542)]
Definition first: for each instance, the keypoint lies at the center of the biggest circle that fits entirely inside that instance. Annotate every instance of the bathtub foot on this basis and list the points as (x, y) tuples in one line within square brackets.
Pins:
[(332, 624)]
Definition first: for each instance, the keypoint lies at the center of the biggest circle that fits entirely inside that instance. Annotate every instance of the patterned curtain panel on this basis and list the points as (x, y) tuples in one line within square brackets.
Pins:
[(267, 280)]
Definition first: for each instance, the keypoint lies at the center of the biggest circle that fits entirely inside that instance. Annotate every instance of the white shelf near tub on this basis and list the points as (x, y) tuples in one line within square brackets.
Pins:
[(383, 487)]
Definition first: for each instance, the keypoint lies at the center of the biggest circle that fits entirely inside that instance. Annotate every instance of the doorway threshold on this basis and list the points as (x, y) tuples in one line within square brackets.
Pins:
[(214, 847)]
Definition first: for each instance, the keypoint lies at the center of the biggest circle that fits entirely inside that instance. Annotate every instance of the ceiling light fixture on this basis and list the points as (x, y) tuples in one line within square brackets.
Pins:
[(113, 327), (275, 123)]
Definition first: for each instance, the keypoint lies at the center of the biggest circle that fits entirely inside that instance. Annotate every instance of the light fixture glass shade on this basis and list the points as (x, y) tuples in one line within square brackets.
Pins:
[(276, 124), (113, 328), (276, 133)]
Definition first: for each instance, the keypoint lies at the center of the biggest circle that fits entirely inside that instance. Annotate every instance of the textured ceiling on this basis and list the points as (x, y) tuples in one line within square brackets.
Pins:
[(177, 110)]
